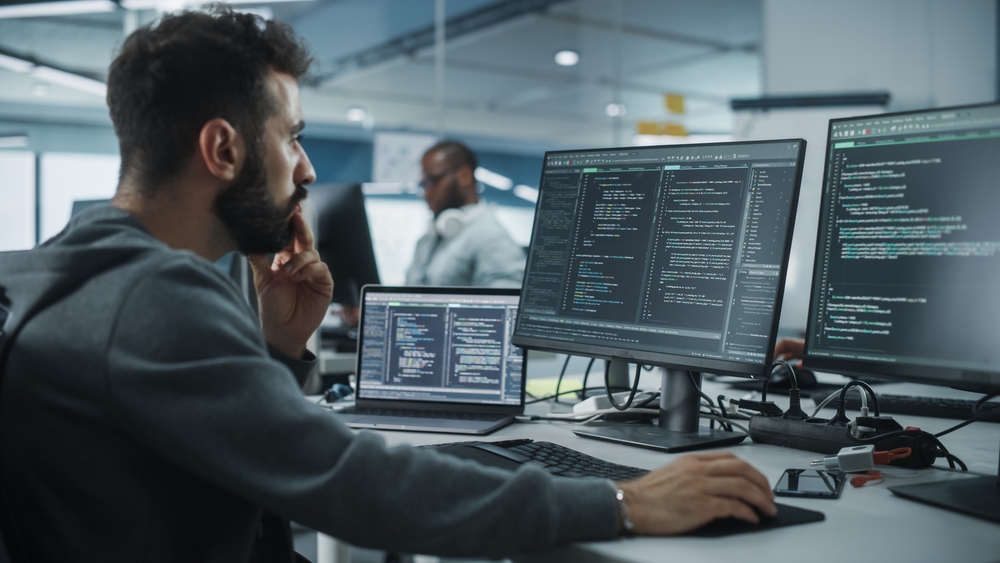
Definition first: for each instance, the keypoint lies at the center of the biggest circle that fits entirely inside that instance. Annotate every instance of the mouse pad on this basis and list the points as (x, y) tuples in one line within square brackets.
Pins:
[(787, 516)]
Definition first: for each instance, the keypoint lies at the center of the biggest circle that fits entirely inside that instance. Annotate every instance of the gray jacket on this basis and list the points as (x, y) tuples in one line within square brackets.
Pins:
[(482, 254), (143, 419)]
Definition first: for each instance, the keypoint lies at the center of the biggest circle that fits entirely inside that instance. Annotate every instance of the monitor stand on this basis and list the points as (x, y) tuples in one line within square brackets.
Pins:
[(677, 429), (976, 496)]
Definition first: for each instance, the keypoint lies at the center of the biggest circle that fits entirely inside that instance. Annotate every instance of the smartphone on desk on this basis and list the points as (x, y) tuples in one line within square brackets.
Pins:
[(812, 483)]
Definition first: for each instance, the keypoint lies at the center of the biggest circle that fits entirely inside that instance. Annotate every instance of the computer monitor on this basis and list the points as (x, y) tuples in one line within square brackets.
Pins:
[(80, 204), (906, 282), (673, 256), (343, 239)]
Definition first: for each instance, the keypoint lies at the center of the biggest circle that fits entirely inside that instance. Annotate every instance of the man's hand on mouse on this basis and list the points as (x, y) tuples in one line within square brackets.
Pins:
[(694, 490)]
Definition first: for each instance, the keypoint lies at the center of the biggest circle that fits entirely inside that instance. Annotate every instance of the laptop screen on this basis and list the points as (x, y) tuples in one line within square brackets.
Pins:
[(440, 344)]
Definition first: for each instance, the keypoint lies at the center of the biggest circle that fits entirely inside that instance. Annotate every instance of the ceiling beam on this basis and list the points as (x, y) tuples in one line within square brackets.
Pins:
[(411, 43), (558, 83), (652, 33), (38, 62)]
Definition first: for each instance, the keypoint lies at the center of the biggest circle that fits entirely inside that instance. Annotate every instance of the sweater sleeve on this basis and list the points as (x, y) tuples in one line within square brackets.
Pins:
[(301, 368), (190, 377)]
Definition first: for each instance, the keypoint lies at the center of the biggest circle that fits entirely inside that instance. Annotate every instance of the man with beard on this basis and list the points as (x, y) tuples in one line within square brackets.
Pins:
[(465, 244), (146, 415)]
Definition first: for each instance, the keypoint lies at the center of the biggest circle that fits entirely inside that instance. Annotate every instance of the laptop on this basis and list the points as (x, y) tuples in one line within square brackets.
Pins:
[(437, 359)]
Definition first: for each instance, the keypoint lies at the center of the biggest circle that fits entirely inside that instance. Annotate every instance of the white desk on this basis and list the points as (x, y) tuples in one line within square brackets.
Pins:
[(865, 524)]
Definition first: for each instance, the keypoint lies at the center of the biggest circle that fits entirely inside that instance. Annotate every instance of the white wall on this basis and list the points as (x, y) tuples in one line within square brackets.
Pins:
[(925, 53), (67, 177), (17, 200)]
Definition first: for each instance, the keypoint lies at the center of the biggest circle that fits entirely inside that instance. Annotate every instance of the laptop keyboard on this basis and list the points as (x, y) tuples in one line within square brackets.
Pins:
[(450, 415), (556, 459)]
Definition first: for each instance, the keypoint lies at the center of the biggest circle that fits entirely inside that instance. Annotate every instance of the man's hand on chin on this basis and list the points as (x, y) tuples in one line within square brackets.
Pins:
[(294, 291)]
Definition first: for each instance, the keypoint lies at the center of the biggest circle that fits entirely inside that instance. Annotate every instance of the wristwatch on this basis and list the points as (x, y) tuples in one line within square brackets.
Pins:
[(627, 526)]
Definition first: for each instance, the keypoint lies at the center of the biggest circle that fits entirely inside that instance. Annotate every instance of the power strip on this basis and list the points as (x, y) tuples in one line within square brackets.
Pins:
[(810, 436), (825, 439)]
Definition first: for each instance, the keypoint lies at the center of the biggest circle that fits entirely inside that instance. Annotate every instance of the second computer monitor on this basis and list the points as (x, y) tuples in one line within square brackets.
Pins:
[(905, 283), (670, 255)]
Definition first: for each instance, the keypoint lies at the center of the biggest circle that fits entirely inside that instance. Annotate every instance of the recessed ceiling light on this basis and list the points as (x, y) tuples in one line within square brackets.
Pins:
[(40, 90), (615, 109), (356, 114), (567, 57)]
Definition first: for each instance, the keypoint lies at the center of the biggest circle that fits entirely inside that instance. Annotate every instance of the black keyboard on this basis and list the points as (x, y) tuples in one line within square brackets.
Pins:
[(555, 459), (451, 415), (934, 407)]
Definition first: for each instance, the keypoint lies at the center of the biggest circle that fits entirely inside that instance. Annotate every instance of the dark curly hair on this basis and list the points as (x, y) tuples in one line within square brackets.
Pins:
[(173, 76)]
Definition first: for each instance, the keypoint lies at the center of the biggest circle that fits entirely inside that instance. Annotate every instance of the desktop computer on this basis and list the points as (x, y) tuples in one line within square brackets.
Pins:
[(906, 282), (672, 256)]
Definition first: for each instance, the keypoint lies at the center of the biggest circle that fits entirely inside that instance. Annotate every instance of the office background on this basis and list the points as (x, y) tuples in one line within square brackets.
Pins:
[(386, 86)]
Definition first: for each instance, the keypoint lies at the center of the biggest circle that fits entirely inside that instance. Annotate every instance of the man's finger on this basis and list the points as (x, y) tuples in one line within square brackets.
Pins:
[(258, 262), (732, 508), (299, 261), (317, 272), (738, 488), (709, 456), (301, 232), (736, 467)]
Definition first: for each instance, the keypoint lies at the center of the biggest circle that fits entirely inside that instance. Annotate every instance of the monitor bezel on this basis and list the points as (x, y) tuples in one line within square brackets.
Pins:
[(971, 380), (666, 359)]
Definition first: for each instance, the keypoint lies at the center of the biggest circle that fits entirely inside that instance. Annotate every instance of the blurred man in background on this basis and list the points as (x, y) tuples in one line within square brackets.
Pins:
[(465, 244)]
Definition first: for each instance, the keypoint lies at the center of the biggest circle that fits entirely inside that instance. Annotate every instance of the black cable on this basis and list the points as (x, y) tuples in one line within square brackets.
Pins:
[(842, 408), (607, 387), (586, 375), (770, 372), (725, 413), (711, 404), (652, 397), (550, 397), (979, 404), (561, 374), (976, 416)]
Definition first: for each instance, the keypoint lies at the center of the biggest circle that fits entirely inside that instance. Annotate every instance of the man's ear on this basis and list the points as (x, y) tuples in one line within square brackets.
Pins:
[(221, 149), (466, 177)]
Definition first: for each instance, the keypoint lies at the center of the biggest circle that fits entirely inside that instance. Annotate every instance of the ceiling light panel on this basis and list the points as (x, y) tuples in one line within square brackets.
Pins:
[(45, 9)]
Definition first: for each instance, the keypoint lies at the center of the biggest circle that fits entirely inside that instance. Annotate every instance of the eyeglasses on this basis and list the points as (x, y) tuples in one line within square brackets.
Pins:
[(435, 179)]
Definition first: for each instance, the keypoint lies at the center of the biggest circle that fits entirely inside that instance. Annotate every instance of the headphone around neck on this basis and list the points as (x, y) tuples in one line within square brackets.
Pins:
[(450, 222)]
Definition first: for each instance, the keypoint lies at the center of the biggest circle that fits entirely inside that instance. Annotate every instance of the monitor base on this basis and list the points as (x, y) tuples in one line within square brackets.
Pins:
[(655, 438), (979, 496)]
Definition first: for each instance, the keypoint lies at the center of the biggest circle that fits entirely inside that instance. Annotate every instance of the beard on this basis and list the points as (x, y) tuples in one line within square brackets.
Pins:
[(453, 198), (249, 213)]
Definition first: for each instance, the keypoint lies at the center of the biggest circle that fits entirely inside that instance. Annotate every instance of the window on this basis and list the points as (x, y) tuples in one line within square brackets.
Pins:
[(17, 200)]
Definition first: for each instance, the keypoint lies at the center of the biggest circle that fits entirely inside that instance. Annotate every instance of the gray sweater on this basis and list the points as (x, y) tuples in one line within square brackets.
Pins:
[(142, 418)]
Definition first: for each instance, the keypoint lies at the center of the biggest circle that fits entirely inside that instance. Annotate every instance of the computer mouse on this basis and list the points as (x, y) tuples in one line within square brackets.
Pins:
[(780, 379), (787, 516)]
